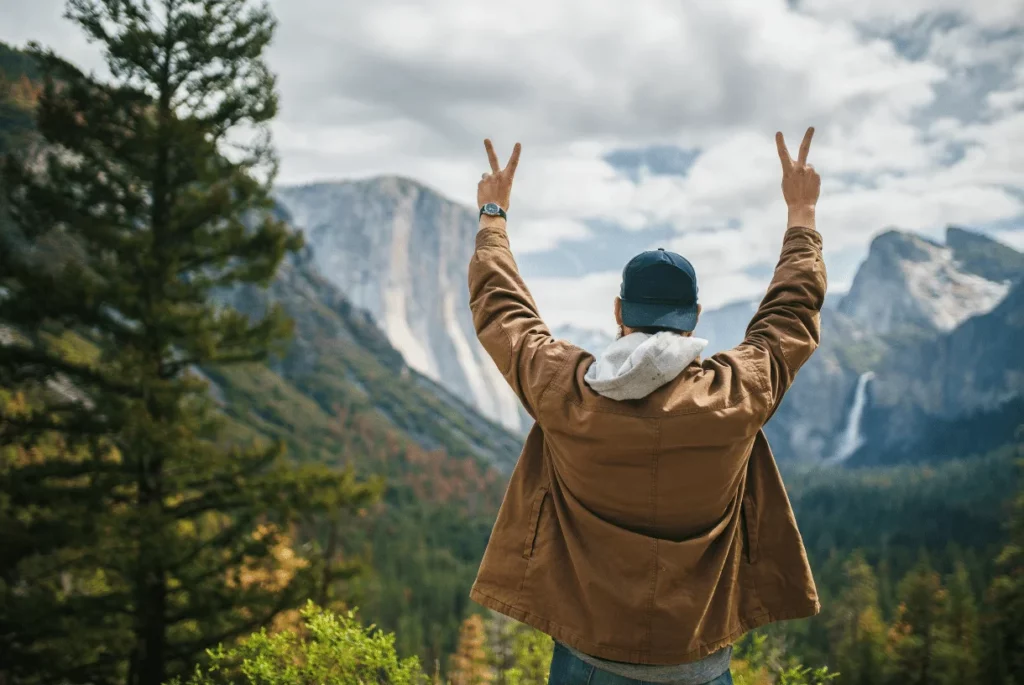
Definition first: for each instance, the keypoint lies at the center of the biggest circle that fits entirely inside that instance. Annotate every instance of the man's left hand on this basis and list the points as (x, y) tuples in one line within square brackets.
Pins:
[(496, 186)]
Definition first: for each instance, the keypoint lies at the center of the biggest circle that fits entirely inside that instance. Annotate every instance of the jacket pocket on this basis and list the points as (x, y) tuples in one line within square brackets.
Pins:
[(531, 531), (749, 510)]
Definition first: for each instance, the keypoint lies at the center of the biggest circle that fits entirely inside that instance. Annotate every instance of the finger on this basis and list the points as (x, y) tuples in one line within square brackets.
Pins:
[(805, 146), (513, 161), (483, 177), (491, 157), (783, 152)]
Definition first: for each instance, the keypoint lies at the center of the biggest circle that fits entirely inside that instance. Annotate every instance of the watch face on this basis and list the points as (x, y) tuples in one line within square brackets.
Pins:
[(491, 208)]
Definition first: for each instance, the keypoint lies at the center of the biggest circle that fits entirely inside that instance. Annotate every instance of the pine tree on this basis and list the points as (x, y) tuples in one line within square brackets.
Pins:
[(470, 663), (914, 636), (136, 535), (856, 627), (957, 651), (1005, 625)]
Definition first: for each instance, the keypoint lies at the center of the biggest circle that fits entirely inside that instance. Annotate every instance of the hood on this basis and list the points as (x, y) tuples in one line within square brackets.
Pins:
[(637, 364)]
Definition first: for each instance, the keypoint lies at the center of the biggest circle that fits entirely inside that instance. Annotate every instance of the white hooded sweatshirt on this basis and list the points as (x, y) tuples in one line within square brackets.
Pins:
[(637, 364)]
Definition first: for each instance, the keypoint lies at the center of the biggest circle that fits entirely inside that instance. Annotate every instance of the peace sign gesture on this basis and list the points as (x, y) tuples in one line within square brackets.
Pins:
[(800, 182), (496, 186)]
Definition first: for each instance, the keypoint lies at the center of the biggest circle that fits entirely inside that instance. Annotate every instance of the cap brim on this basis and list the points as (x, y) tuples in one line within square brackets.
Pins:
[(644, 315)]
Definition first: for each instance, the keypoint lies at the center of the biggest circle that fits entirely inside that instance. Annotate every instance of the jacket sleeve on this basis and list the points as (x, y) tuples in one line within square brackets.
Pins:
[(786, 328), (507, 322)]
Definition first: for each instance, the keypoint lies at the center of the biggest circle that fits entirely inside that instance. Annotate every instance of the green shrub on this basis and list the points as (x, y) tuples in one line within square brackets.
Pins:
[(331, 649), (757, 662), (532, 651)]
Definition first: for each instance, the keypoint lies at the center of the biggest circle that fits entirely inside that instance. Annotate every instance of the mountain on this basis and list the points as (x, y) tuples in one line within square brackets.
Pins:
[(910, 284), (725, 327), (978, 254), (340, 372), (401, 251), (977, 365), (592, 340), (927, 338), (809, 424), (953, 384)]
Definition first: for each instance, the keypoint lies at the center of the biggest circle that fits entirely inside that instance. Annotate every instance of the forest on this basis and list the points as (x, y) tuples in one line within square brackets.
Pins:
[(178, 504)]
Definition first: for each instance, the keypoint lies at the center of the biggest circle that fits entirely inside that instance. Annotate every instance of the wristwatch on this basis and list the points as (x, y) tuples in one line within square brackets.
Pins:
[(492, 209)]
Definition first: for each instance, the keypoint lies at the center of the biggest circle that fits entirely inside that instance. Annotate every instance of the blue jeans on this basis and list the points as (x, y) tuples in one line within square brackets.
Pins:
[(567, 669)]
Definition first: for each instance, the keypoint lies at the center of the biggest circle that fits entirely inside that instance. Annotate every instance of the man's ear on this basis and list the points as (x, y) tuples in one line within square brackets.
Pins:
[(618, 310), (699, 310)]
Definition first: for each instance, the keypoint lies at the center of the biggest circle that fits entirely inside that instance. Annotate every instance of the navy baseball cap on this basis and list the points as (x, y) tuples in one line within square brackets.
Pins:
[(659, 289)]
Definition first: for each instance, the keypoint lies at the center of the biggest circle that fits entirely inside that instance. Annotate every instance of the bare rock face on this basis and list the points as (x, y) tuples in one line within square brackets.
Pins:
[(401, 251), (340, 361), (909, 283), (946, 325), (975, 369)]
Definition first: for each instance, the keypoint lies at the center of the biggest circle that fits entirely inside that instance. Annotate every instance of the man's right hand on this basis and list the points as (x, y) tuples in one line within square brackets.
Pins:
[(800, 182)]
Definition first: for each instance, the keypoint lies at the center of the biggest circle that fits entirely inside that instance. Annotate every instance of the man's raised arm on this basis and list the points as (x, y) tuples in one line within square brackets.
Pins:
[(787, 326), (504, 313)]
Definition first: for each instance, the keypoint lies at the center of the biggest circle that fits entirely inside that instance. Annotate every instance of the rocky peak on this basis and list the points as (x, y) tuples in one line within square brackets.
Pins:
[(981, 255), (909, 284), (893, 246)]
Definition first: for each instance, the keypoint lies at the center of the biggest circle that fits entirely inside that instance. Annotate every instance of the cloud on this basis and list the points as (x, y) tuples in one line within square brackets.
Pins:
[(658, 160), (655, 114), (878, 14), (585, 302), (1014, 238), (21, 22), (538, 235)]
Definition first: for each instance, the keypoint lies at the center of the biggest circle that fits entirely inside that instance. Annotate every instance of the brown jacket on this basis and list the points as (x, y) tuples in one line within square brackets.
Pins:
[(651, 531)]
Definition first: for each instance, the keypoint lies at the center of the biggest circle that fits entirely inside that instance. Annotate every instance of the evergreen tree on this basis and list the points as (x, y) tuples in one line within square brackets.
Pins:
[(470, 663), (136, 533), (1005, 626), (957, 653), (916, 632), (857, 632)]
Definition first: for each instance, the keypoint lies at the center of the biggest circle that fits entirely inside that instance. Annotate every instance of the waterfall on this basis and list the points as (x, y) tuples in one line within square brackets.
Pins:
[(851, 439)]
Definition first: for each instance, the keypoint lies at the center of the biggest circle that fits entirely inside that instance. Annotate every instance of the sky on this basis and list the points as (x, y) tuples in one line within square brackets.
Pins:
[(650, 124)]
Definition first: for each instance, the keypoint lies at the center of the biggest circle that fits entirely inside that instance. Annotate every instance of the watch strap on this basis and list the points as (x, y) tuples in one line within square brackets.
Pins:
[(501, 213)]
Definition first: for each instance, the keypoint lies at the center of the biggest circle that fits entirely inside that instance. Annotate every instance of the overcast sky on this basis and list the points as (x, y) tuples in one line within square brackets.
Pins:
[(650, 123)]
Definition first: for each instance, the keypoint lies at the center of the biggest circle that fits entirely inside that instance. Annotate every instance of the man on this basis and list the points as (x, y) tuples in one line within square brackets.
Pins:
[(645, 526)]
